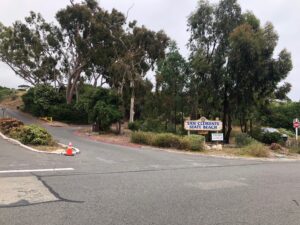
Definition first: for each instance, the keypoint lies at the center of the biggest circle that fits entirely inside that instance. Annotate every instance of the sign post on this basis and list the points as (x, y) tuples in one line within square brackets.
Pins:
[(296, 126), (3, 112)]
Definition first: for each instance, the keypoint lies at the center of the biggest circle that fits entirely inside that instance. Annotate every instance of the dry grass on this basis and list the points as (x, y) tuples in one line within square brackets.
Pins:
[(52, 148), (13, 102)]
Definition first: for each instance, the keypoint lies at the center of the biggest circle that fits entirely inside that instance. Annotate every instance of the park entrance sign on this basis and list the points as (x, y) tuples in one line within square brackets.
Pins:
[(203, 124)]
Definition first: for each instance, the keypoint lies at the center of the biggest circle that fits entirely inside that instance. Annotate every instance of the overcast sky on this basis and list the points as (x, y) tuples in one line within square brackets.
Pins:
[(171, 16)]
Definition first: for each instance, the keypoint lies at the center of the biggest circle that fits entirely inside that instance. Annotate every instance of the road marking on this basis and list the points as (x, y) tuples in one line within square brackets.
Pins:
[(36, 170)]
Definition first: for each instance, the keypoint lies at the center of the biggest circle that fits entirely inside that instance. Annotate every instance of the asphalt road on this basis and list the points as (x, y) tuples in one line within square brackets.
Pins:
[(119, 185)]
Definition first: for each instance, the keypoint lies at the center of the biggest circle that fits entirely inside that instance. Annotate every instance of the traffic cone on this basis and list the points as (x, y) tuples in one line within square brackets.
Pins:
[(69, 151)]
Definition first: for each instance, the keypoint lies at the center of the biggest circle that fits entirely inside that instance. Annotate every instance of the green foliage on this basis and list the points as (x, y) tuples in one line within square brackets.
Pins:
[(289, 133), (31, 135), (134, 126), (152, 125), (145, 138), (40, 99), (243, 139), (231, 53), (102, 107), (167, 140), (269, 138), (193, 142), (44, 100), (4, 93), (281, 115)]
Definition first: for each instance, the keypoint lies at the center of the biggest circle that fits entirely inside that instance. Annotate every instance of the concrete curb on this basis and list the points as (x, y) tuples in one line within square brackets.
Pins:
[(221, 156), (16, 142)]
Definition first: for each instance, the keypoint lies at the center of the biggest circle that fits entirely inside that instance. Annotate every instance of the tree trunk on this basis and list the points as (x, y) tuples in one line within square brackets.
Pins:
[(72, 83), (131, 116), (226, 118)]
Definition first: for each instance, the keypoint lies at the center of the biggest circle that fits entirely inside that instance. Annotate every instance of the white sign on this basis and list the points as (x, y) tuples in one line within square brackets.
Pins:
[(217, 137), (203, 124)]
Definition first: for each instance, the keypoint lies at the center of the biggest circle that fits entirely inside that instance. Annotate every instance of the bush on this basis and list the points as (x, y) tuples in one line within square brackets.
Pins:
[(68, 113), (193, 142), (166, 140), (152, 125), (7, 124), (287, 132), (256, 149), (145, 138), (257, 133), (31, 135), (243, 139), (39, 100), (134, 126), (269, 138)]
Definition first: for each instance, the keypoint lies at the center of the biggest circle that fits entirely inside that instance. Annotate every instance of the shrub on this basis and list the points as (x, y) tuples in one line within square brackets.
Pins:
[(7, 124), (193, 142), (269, 138), (152, 125), (68, 113), (166, 140), (286, 132), (243, 139), (40, 99), (32, 135), (134, 126), (142, 138), (256, 149)]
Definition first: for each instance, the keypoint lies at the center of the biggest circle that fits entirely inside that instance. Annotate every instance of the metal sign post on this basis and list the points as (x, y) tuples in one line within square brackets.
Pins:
[(296, 126), (3, 112)]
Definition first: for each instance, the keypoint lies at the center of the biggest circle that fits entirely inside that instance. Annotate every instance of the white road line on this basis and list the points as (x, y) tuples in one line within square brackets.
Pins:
[(36, 170)]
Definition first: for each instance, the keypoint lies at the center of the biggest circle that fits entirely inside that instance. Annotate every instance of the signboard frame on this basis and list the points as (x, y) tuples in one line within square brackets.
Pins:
[(216, 137), (203, 124)]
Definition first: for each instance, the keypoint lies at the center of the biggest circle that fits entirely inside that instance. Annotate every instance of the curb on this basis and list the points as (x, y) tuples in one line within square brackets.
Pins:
[(221, 156), (16, 142)]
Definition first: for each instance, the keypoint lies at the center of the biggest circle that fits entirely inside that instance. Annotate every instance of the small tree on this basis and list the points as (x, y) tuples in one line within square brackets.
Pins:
[(102, 106)]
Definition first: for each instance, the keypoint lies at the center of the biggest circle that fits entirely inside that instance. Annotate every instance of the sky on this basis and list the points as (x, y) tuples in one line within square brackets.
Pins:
[(171, 16)]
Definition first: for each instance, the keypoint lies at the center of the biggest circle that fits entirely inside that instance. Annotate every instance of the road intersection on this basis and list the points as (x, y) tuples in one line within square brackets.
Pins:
[(109, 184)]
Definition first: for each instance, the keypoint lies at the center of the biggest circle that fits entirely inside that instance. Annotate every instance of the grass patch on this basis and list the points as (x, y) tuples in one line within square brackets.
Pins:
[(255, 149)]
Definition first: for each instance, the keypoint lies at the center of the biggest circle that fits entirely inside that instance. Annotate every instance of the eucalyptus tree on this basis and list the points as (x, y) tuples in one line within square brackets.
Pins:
[(253, 70), (172, 78), (82, 44), (210, 26), (88, 35), (234, 71), (31, 49), (141, 50)]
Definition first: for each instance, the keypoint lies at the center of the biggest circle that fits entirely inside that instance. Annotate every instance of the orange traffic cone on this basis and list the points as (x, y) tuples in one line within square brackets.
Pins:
[(69, 151)]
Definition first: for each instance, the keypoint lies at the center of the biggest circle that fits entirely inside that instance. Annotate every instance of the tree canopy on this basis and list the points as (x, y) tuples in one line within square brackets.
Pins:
[(231, 72)]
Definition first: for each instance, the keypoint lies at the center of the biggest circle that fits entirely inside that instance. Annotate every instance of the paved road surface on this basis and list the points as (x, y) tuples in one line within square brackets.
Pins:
[(126, 186)]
